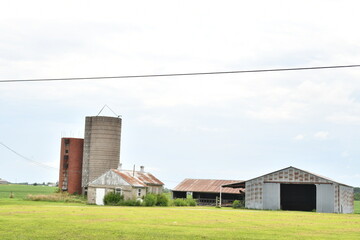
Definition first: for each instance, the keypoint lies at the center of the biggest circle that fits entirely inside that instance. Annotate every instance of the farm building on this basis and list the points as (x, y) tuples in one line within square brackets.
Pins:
[(71, 156), (130, 183), (205, 191), (295, 189), (3, 181)]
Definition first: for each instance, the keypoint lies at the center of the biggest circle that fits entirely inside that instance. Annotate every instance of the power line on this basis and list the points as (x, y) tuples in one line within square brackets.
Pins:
[(28, 159), (178, 74)]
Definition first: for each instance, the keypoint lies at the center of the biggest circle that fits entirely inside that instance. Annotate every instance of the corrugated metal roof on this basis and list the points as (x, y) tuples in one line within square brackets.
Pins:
[(205, 185), (138, 178)]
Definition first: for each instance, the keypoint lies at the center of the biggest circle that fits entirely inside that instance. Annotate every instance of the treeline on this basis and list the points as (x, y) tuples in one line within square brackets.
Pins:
[(357, 194)]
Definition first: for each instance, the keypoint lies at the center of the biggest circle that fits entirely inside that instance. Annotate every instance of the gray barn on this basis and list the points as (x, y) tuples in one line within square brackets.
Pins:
[(129, 183), (295, 189)]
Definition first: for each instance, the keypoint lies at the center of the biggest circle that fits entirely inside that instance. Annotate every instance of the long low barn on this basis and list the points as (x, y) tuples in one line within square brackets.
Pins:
[(295, 189), (205, 191)]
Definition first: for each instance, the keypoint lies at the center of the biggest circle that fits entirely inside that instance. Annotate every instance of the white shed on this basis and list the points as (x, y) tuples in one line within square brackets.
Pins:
[(295, 189)]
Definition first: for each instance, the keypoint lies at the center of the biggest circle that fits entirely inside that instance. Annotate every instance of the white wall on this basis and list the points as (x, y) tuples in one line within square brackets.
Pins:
[(325, 197), (271, 196)]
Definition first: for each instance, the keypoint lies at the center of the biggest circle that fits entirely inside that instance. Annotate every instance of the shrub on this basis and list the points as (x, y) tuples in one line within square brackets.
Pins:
[(191, 202), (150, 200), (180, 202), (130, 202), (238, 204), (112, 198), (162, 200)]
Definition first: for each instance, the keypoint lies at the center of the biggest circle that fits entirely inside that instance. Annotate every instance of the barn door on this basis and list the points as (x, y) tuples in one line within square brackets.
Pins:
[(325, 196), (271, 196), (100, 194)]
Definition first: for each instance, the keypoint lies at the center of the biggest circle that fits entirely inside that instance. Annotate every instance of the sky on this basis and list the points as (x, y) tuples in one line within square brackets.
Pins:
[(235, 126)]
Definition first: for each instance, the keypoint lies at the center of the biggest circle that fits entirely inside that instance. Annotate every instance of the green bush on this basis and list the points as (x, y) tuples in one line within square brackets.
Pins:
[(162, 200), (130, 202), (191, 202), (112, 198), (180, 202), (238, 204), (183, 202), (150, 200)]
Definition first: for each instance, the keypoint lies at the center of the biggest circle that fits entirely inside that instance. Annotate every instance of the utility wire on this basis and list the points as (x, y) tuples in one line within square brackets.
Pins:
[(178, 74), (28, 159)]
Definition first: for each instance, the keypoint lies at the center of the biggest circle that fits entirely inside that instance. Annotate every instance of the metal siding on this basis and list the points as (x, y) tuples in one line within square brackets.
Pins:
[(325, 198), (271, 196), (346, 199), (253, 193)]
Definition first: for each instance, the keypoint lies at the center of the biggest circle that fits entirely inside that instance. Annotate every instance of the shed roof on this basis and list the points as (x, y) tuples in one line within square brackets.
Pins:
[(138, 178), (205, 185), (241, 183)]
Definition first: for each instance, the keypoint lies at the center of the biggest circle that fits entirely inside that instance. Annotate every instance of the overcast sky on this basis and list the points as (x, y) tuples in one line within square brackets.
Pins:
[(235, 126)]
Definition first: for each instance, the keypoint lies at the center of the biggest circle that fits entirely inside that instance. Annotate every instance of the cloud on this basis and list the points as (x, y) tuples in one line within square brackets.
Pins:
[(299, 137), (322, 135)]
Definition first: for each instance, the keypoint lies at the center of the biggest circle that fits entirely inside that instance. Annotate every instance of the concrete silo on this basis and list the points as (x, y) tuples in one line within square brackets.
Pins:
[(101, 147)]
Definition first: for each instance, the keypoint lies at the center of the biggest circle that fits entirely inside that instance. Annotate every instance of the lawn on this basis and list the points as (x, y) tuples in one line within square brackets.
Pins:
[(357, 207), (21, 191), (21, 219)]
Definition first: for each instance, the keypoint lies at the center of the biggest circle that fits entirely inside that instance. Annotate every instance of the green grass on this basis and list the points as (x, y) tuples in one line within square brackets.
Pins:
[(22, 219), (21, 191), (46, 220), (357, 207)]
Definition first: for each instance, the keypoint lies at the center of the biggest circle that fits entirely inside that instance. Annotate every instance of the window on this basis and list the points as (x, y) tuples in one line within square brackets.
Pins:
[(139, 192), (66, 151), (118, 190)]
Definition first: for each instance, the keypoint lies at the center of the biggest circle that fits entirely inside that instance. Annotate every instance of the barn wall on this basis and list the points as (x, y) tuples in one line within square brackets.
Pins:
[(128, 191), (254, 193), (154, 189), (346, 199)]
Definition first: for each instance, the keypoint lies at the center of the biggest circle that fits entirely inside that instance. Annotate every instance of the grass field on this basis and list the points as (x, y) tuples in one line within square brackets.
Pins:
[(21, 219), (39, 220), (357, 207), (21, 191)]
